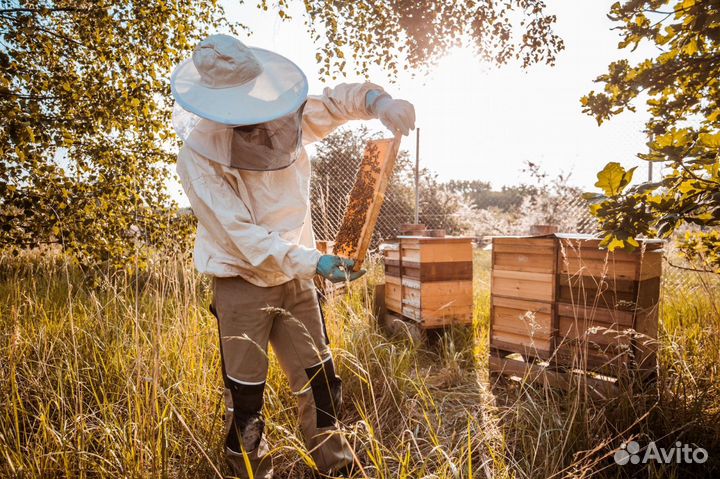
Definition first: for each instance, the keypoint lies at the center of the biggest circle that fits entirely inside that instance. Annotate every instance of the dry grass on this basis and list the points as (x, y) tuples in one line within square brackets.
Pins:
[(114, 375)]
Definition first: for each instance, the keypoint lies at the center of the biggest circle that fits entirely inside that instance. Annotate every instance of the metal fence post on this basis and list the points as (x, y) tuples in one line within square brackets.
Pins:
[(417, 175)]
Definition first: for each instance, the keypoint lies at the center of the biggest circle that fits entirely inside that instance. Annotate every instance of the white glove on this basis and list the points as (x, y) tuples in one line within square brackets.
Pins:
[(398, 116)]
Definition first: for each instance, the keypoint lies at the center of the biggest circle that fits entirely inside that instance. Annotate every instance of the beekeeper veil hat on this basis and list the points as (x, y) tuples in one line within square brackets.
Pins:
[(224, 88)]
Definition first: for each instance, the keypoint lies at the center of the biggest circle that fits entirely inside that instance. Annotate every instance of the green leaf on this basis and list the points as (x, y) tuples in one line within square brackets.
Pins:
[(687, 187), (692, 47), (675, 138), (616, 243), (710, 140), (593, 197), (613, 178), (646, 187)]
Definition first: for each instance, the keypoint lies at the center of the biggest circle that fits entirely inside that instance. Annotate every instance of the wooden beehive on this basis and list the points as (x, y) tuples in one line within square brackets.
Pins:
[(393, 287), (607, 305), (559, 298), (429, 279), (522, 295)]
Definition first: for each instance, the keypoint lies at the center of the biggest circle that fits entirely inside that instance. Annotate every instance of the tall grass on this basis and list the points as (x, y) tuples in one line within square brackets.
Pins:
[(106, 375)]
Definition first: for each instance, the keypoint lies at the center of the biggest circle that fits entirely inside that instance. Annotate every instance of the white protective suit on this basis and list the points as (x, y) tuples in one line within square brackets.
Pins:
[(256, 224)]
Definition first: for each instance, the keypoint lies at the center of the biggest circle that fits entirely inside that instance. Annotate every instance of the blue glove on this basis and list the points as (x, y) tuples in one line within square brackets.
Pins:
[(337, 269)]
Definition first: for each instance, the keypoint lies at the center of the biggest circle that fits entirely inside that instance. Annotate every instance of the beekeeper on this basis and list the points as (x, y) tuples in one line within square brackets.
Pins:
[(244, 116)]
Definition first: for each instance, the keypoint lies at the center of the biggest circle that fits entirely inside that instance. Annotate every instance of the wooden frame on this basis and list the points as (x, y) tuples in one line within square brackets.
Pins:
[(366, 199)]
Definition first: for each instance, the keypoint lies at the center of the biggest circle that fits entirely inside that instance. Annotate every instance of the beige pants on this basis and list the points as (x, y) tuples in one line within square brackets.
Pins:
[(288, 317)]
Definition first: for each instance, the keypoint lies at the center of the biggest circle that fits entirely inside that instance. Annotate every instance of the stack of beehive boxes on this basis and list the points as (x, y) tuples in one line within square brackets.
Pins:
[(523, 295), (429, 279), (607, 305), (561, 299)]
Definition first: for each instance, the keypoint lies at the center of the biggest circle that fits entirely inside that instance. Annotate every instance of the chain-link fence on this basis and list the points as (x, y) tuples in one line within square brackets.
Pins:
[(335, 166), (456, 207)]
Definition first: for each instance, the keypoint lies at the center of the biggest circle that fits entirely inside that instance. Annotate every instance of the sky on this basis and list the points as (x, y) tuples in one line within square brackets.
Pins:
[(483, 122)]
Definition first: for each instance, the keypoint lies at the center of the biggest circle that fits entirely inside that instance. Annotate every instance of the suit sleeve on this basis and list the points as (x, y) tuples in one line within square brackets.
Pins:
[(336, 106), (227, 219)]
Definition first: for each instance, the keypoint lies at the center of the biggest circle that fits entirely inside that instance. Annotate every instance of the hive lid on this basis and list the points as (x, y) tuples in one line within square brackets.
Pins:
[(442, 239), (651, 243)]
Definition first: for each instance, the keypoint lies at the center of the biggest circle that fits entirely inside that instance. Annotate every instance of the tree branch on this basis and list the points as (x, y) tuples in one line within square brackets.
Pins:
[(27, 97), (43, 10), (686, 268)]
